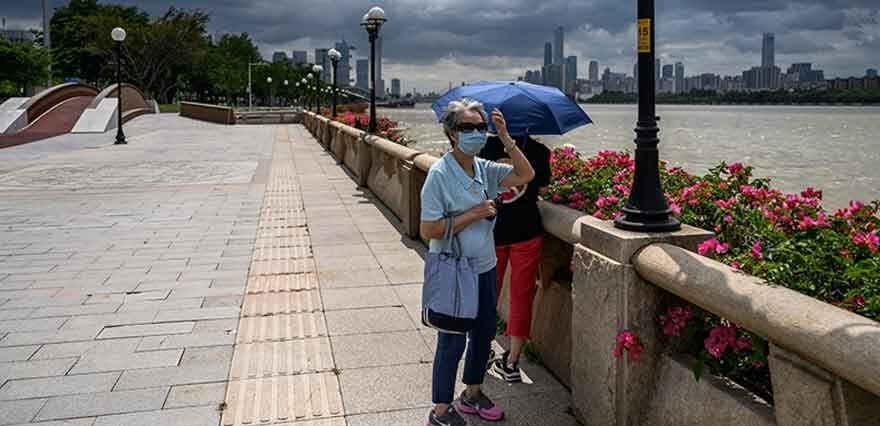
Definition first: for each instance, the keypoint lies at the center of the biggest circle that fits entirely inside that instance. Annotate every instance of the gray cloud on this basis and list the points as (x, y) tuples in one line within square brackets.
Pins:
[(430, 42)]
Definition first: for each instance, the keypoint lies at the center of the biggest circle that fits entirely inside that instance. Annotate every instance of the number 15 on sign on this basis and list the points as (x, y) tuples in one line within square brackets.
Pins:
[(644, 36)]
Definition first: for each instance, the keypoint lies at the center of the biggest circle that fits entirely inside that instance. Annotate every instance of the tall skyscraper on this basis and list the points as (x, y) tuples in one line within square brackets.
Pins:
[(571, 72), (679, 77), (279, 57), (322, 60), (657, 69), (768, 48), (344, 67), (395, 87), (871, 72), (594, 71), (668, 71), (548, 53), (363, 74), (558, 46), (300, 57)]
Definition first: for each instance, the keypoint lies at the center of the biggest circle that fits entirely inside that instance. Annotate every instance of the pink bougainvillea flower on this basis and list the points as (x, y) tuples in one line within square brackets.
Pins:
[(627, 341), (707, 246), (858, 301), (728, 218), (675, 319), (722, 248), (720, 338), (757, 250), (735, 264), (868, 239), (676, 209), (735, 168)]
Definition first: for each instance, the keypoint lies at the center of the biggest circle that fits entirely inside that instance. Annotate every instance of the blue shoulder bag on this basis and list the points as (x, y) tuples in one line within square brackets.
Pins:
[(450, 293)]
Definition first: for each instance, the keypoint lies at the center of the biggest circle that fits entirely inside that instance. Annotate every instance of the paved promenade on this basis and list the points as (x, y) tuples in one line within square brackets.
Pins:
[(212, 275)]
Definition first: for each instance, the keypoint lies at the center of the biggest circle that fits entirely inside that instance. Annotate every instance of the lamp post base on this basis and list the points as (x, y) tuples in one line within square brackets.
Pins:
[(647, 221)]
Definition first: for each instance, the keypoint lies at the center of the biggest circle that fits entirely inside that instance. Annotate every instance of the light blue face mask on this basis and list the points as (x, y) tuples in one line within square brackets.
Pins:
[(471, 143)]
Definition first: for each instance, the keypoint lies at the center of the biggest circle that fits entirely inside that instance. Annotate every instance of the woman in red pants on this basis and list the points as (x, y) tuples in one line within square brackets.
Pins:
[(518, 241)]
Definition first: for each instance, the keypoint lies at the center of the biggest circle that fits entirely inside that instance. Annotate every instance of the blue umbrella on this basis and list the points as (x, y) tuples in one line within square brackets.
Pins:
[(528, 108)]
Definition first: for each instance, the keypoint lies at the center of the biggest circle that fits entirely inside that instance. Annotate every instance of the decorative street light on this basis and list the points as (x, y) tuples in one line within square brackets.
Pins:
[(334, 56), (302, 96), (647, 210), (269, 83), (311, 77), (372, 22), (118, 35), (317, 69), (250, 86)]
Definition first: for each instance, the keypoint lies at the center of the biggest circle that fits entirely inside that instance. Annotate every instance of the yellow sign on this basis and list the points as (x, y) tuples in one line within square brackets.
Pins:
[(644, 36)]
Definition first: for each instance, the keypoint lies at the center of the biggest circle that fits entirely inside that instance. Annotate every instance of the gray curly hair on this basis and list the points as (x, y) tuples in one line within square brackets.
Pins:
[(454, 110)]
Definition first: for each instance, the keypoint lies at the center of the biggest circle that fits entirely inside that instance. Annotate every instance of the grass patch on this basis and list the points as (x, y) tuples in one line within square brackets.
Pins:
[(169, 108)]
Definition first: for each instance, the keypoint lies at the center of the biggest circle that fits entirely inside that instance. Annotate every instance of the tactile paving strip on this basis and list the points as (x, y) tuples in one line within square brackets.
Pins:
[(281, 283), (281, 327), (297, 232), (282, 399), (282, 266), (268, 359), (270, 253), (284, 241), (262, 304)]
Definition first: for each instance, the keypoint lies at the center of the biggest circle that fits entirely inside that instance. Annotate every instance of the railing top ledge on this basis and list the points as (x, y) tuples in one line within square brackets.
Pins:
[(424, 161), (223, 107), (620, 245), (839, 341)]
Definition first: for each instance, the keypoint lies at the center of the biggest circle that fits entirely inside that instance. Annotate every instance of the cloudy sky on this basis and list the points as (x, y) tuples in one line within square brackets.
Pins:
[(429, 43)]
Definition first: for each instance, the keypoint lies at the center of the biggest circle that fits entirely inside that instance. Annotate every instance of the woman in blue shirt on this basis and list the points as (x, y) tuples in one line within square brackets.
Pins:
[(464, 185)]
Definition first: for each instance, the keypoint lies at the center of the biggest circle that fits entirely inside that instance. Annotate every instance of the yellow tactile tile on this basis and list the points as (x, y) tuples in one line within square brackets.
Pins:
[(282, 266), (284, 202), (281, 327), (280, 283), (262, 304), (297, 232), (269, 359), (282, 399), (270, 253)]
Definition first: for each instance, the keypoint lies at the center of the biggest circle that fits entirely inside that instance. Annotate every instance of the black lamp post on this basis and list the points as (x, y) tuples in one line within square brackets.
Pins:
[(647, 210), (372, 22), (310, 92), (317, 69), (302, 94), (118, 35), (334, 56), (269, 88)]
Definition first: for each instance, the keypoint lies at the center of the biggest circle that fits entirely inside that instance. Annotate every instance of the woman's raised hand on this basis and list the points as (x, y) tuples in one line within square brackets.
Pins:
[(500, 123)]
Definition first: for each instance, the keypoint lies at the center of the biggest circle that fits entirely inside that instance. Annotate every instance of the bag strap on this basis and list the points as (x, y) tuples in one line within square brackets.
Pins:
[(450, 240)]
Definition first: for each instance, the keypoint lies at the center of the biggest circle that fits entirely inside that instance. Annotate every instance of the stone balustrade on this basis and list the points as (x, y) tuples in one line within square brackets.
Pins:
[(207, 112), (597, 280)]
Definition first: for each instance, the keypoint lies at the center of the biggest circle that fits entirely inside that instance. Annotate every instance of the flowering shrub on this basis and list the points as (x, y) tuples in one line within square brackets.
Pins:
[(786, 239), (628, 342), (386, 127)]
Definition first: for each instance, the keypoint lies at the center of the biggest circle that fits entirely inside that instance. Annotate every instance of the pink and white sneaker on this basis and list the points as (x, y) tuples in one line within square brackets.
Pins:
[(481, 406)]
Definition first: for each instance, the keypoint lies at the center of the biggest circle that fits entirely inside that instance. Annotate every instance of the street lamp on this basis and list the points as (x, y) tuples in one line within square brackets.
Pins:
[(286, 100), (372, 22), (269, 84), (118, 35), (334, 56), (250, 86), (302, 96), (647, 210), (317, 69), (310, 88)]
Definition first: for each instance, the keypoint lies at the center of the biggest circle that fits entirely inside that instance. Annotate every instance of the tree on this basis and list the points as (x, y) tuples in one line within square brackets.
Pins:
[(22, 64), (229, 64)]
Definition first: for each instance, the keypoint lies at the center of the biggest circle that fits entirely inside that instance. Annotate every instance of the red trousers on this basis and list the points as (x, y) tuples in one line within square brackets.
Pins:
[(524, 258)]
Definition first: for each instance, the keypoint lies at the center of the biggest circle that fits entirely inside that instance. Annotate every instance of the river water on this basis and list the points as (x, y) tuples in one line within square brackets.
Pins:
[(835, 149)]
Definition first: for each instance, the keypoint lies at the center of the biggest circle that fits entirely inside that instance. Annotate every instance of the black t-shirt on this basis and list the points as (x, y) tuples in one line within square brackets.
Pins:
[(518, 216)]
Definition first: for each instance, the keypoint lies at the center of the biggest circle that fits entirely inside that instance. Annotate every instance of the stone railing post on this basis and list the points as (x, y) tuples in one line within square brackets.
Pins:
[(607, 297), (363, 148), (805, 394)]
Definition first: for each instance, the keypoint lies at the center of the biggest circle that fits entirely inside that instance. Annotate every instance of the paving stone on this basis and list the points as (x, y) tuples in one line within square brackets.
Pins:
[(281, 327), (206, 292), (58, 385), (227, 325), (12, 314), (263, 304), (406, 275), (206, 355), (38, 368), (158, 305), (97, 362), (409, 294), (175, 341), (267, 359), (374, 320), (284, 398), (360, 297), (197, 314), (374, 350), (172, 285), (146, 330), (36, 324), (403, 387), (167, 376), (110, 320), (282, 266), (17, 353), (409, 417), (353, 278), (23, 411), (64, 311), (281, 283), (115, 347), (98, 404), (87, 421), (207, 394)]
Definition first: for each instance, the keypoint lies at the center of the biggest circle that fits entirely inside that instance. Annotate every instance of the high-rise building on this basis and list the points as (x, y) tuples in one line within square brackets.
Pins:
[(300, 57), (668, 71), (322, 60), (344, 67), (558, 46), (363, 74), (548, 53), (871, 72), (762, 78), (768, 55), (679, 77), (279, 57), (554, 76), (594, 71), (395, 87), (657, 69), (571, 72)]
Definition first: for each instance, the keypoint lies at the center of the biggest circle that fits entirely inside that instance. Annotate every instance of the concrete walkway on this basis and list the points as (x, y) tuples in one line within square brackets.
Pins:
[(207, 275)]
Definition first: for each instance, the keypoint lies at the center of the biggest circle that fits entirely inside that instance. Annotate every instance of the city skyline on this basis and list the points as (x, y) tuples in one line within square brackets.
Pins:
[(454, 41)]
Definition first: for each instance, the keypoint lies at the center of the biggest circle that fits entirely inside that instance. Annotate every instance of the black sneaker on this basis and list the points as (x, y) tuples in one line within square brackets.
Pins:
[(449, 418), (505, 371)]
